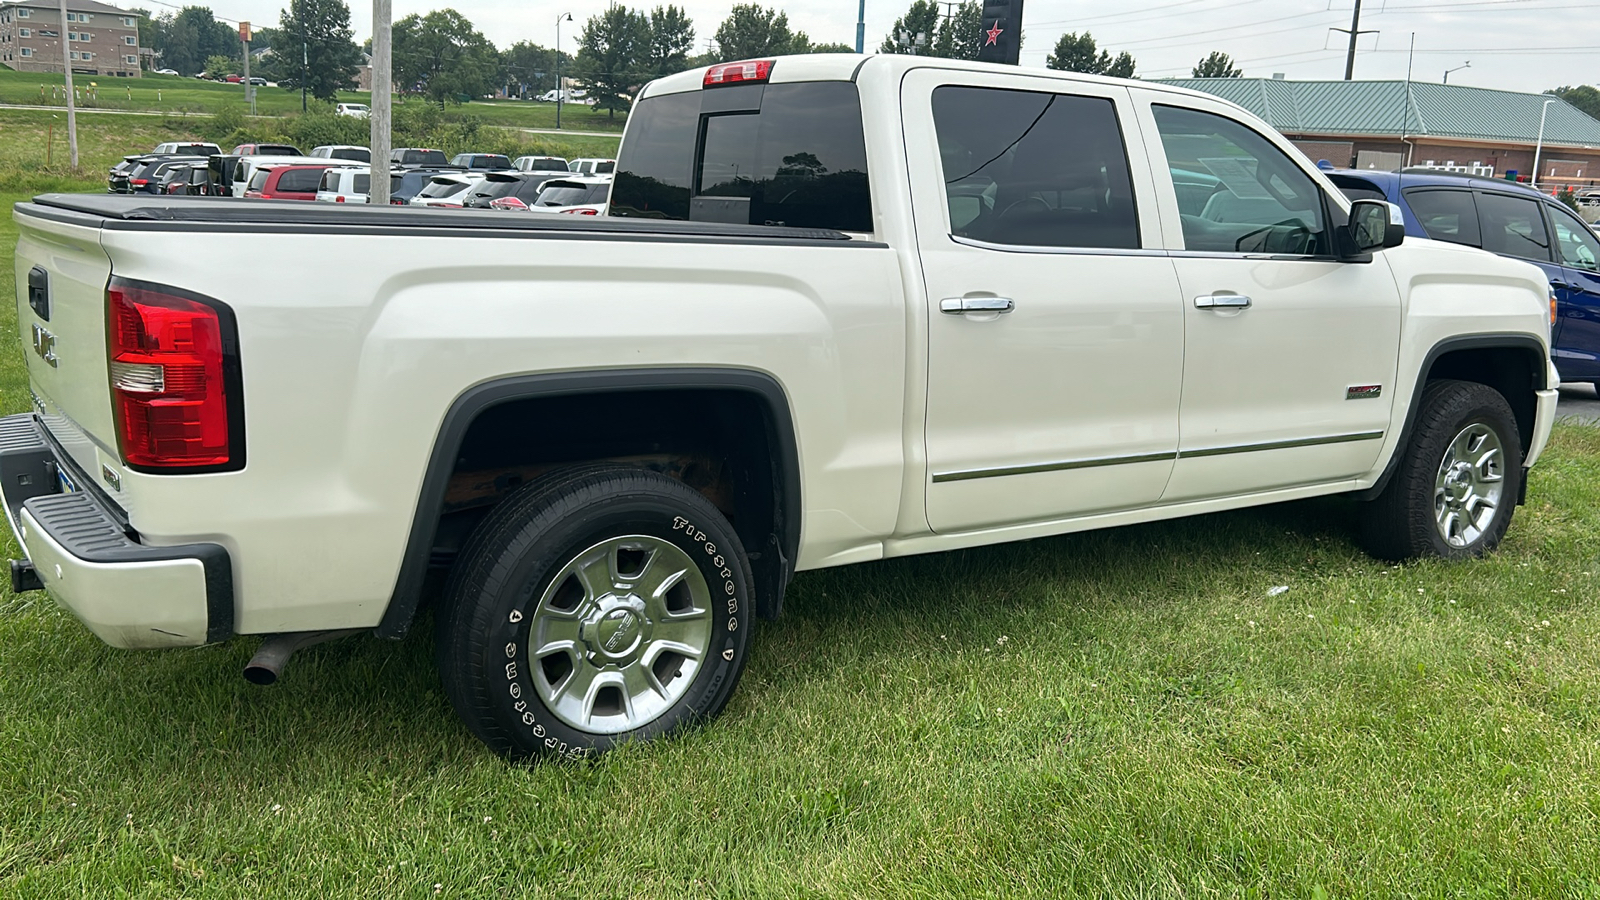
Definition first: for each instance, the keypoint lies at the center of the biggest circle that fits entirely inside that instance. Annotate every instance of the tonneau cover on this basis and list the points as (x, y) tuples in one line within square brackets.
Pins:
[(229, 211)]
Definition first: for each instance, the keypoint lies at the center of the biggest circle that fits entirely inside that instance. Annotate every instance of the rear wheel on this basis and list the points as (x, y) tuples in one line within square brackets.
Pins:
[(1457, 482), (598, 605)]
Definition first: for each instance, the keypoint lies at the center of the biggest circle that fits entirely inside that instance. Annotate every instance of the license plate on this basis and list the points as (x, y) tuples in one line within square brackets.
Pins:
[(68, 486)]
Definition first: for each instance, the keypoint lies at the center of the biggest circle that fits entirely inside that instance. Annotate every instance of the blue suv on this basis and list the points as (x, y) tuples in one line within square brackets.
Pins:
[(1510, 220)]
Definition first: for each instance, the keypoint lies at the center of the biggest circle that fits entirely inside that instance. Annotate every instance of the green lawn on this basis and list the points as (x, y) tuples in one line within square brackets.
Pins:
[(1131, 713), (177, 95)]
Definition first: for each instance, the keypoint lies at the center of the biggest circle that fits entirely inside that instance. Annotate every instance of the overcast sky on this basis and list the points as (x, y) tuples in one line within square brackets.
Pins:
[(1525, 45)]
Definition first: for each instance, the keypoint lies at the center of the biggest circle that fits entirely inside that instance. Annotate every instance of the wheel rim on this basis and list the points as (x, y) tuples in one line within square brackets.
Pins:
[(1467, 491), (620, 633)]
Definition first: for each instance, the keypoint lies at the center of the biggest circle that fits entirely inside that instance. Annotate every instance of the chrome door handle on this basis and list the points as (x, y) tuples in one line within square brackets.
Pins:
[(1222, 301), (957, 306)]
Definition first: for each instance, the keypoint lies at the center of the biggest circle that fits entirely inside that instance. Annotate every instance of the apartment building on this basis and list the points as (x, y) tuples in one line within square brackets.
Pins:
[(97, 39)]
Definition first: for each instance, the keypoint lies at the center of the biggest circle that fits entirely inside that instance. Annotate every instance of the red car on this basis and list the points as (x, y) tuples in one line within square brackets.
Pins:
[(233, 79), (286, 182)]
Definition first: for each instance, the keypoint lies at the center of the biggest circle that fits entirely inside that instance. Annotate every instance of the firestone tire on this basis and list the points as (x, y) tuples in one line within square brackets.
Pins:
[(1457, 482), (599, 605)]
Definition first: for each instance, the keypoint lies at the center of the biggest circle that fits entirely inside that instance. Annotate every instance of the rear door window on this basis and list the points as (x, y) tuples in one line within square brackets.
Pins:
[(1513, 226), (259, 179), (1034, 169), (782, 154), (1446, 215), (363, 184)]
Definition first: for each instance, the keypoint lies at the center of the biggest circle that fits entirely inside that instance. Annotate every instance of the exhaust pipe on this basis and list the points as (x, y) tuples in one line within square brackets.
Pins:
[(267, 665)]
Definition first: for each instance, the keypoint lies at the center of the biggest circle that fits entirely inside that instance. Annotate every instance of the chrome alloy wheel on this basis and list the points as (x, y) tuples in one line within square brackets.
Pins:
[(620, 633), (1469, 485)]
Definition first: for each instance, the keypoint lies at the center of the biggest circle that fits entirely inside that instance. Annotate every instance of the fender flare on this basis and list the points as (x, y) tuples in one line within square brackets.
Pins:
[(1507, 341), (466, 408)]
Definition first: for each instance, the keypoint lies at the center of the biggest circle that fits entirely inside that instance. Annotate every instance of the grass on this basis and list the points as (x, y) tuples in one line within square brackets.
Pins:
[(176, 95), (1130, 713)]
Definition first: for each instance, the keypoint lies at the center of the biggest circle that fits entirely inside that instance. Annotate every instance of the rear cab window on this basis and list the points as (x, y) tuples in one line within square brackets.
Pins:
[(759, 154)]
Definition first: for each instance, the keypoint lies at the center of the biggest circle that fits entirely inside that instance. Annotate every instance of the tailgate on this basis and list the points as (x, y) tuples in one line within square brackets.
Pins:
[(62, 273)]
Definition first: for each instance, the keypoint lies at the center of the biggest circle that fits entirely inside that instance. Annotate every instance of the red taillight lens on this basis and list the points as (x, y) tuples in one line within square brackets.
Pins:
[(339, 198), (394, 202), (507, 203), (172, 379), (139, 182), (738, 72), (581, 212)]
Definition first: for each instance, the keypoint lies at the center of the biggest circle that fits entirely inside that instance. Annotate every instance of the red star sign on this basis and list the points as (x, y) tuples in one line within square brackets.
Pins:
[(993, 33)]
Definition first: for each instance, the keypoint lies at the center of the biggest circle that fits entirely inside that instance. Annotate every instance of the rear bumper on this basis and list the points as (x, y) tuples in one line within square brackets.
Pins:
[(130, 594)]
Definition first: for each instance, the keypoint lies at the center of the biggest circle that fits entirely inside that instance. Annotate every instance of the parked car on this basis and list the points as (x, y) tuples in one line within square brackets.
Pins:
[(151, 177), (493, 185), (258, 82), (525, 193), (407, 183), (447, 190), (418, 156), (286, 182), (540, 164), (191, 179), (614, 442), (343, 151), (592, 166), (165, 72), (579, 195), (1510, 220), (267, 150), (482, 162), (348, 184), (243, 168), (357, 110), (232, 79)]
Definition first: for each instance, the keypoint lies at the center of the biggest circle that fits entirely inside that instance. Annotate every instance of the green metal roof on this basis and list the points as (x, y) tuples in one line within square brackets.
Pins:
[(1380, 108)]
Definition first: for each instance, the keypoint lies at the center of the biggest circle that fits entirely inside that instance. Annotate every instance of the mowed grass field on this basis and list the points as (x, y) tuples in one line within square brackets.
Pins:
[(177, 95), (1132, 713)]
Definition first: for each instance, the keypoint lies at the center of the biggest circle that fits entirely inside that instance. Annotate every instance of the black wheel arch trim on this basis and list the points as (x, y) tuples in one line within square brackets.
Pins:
[(1507, 341), (772, 579)]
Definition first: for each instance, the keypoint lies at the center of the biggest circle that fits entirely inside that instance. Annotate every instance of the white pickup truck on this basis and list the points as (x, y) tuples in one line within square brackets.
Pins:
[(842, 308)]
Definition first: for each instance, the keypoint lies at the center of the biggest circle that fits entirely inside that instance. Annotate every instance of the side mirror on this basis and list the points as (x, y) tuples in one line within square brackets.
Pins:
[(1376, 225)]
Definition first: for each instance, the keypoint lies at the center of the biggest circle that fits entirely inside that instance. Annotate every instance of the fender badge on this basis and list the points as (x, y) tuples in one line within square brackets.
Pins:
[(1363, 391)]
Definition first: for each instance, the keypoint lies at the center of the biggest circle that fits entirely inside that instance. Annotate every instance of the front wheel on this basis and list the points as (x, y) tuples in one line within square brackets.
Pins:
[(1456, 485), (598, 605)]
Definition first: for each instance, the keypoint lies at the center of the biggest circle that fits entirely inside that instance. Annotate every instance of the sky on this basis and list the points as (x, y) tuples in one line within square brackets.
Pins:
[(1526, 45)]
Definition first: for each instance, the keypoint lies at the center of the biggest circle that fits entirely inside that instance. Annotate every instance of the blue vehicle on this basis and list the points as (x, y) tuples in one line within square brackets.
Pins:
[(1511, 220)]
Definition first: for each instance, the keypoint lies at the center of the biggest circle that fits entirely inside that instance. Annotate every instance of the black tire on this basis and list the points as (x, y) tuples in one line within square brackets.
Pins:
[(503, 591), (1403, 522)]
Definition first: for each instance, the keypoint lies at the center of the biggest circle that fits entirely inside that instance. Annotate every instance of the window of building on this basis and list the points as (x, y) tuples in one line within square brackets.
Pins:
[(1256, 200), (23, 14), (128, 22), (74, 54), (1031, 168), (130, 40), (131, 60), (25, 32), (27, 51)]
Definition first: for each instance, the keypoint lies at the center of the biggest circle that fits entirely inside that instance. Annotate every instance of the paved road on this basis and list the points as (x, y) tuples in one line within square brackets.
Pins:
[(1579, 403)]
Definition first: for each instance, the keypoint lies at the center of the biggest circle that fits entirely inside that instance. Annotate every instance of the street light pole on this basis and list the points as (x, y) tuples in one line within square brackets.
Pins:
[(568, 17), (1465, 65), (1539, 147)]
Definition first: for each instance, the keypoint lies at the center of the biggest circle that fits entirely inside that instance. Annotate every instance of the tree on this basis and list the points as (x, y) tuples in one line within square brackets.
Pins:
[(961, 35), (828, 48), (1217, 65), (751, 31), (192, 36), (529, 69), (328, 57), (1582, 96), (442, 56), (219, 66), (916, 32), (1078, 53), (1122, 66), (613, 57), (671, 39)]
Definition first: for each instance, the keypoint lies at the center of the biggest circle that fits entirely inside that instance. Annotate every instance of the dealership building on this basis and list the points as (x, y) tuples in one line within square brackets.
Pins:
[(97, 39), (1390, 124)]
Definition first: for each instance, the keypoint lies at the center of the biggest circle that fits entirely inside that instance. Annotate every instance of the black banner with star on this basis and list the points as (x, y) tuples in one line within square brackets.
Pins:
[(1001, 41)]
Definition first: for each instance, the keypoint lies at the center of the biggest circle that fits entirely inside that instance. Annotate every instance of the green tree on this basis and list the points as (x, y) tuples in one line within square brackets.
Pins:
[(961, 35), (671, 39), (218, 66), (441, 56), (192, 36), (1582, 96), (752, 31), (834, 47), (320, 30), (1078, 53), (1122, 66), (530, 69), (613, 57), (1217, 65), (916, 33)]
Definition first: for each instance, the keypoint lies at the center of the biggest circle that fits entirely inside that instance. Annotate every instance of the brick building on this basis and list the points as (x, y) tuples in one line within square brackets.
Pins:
[(1383, 125), (98, 39)]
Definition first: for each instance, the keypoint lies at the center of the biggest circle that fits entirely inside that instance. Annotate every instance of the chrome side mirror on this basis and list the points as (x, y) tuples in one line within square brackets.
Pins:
[(1376, 225)]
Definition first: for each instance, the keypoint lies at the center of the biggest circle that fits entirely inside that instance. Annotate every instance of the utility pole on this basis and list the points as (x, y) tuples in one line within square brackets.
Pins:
[(861, 28), (382, 100), (1354, 31), (72, 105), (249, 89)]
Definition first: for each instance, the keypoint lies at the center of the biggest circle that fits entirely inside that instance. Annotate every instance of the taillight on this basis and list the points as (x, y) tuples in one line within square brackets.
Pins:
[(507, 203), (175, 390), (339, 198), (580, 212), (394, 202), (738, 72), (139, 182)]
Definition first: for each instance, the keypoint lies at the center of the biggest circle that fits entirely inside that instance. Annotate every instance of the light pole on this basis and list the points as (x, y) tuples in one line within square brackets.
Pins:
[(567, 17), (1539, 147), (1465, 65)]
